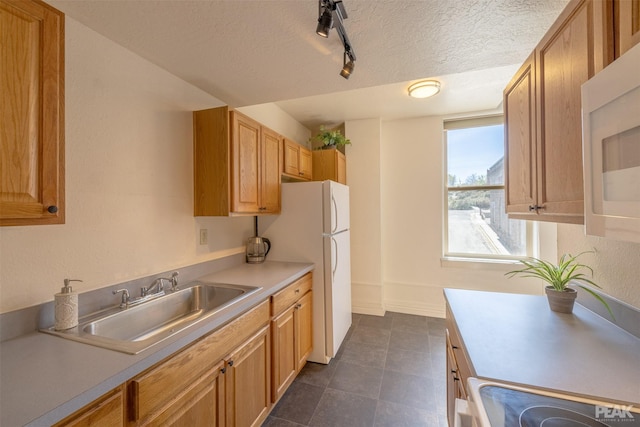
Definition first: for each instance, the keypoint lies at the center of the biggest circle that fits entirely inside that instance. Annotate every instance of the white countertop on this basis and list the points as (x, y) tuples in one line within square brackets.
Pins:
[(517, 339), (44, 378)]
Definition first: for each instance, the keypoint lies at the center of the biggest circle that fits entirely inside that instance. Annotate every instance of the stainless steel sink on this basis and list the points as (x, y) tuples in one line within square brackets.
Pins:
[(137, 328)]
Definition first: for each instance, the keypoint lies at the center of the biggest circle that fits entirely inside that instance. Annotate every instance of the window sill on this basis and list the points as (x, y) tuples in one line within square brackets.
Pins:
[(505, 265)]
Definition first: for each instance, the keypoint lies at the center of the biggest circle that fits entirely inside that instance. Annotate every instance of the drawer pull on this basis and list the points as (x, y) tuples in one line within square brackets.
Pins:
[(230, 363), (223, 370)]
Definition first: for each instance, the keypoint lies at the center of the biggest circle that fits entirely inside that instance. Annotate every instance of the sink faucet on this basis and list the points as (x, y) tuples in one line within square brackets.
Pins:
[(157, 286), (124, 303)]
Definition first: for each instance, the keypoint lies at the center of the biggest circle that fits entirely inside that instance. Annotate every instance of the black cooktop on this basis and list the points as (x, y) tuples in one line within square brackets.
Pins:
[(512, 408)]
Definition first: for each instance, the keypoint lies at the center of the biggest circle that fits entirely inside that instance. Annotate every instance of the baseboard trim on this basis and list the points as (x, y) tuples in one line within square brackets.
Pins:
[(371, 309), (406, 307)]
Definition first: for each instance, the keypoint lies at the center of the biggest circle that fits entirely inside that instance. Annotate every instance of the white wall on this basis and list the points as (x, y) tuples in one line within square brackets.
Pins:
[(129, 208), (364, 179), (403, 204), (615, 264)]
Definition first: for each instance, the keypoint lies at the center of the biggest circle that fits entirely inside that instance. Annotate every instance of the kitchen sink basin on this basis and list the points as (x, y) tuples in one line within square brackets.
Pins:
[(134, 329)]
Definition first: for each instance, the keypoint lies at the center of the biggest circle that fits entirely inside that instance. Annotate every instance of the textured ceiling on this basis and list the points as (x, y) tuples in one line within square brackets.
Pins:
[(247, 52)]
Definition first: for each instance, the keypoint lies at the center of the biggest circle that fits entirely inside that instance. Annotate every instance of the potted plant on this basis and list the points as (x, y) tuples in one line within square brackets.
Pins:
[(330, 138), (560, 296)]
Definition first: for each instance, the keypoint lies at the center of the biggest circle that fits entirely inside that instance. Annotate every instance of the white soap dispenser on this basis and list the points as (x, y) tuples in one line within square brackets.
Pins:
[(66, 307)]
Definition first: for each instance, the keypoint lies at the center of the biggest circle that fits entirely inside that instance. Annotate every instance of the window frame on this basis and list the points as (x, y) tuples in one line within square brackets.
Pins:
[(531, 231)]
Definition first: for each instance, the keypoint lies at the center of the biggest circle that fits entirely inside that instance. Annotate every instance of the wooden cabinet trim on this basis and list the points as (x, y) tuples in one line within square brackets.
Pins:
[(108, 410)]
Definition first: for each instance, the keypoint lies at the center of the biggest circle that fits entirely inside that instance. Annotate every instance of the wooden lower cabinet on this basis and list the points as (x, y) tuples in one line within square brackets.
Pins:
[(223, 379), (292, 333), (193, 385), (201, 404), (107, 411), (248, 381), (458, 368)]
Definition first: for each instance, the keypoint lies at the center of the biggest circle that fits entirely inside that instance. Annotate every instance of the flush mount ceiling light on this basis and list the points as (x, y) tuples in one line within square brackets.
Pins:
[(424, 89), (331, 13)]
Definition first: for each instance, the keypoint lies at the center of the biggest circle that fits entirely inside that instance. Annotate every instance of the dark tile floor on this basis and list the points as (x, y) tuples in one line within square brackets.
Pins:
[(389, 371)]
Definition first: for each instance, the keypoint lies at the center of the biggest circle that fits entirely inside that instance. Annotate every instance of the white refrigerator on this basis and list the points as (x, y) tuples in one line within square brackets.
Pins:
[(314, 227)]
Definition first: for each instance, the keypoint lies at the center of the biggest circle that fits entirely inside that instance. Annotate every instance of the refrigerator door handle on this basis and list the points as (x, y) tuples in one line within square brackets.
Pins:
[(333, 271), (335, 213)]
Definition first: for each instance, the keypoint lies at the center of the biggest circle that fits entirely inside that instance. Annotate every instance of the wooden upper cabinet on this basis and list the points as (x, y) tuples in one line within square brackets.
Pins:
[(520, 142), (245, 166), (297, 162), (329, 164), (236, 165), (271, 145), (627, 25), (32, 112), (548, 185)]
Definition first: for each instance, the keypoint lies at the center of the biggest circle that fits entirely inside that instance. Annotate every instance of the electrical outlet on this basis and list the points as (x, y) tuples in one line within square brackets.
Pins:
[(204, 236)]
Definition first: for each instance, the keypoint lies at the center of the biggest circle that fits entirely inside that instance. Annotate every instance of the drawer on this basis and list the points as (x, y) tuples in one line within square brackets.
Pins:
[(286, 297), (155, 388)]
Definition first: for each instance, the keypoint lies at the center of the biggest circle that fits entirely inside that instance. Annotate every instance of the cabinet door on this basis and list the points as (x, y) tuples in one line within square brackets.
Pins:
[(627, 24), (306, 168), (32, 105), (270, 171), (248, 373), (284, 363), (245, 162), (200, 405), (291, 152), (565, 59), (520, 116), (304, 329), (107, 411)]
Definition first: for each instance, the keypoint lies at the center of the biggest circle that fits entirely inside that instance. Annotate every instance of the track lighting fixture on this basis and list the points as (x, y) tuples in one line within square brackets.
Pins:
[(347, 67), (325, 23), (331, 13)]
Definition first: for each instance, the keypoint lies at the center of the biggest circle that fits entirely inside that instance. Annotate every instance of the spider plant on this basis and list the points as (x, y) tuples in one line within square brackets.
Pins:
[(559, 275)]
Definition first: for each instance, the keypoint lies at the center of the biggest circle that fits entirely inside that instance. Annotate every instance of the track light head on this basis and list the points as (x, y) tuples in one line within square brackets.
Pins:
[(347, 67), (325, 23)]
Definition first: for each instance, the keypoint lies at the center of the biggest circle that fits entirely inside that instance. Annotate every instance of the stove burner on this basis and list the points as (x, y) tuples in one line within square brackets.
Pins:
[(552, 416)]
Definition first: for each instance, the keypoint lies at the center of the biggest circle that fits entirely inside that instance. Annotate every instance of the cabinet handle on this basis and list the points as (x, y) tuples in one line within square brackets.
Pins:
[(52, 209), (456, 379), (297, 306), (453, 371), (535, 208), (223, 370), (297, 291), (454, 347), (230, 363)]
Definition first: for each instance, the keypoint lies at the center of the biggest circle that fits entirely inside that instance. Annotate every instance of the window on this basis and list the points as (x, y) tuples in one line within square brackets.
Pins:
[(476, 223)]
